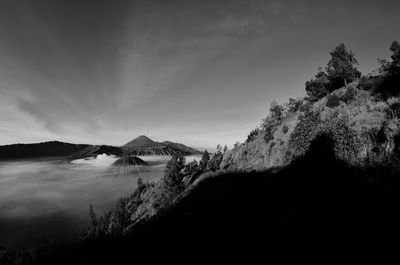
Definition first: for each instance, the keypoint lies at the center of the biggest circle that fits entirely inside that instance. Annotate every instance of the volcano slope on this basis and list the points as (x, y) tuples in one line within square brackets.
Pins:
[(316, 209)]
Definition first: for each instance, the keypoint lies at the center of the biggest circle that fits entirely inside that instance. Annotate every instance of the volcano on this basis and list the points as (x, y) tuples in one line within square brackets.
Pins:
[(143, 145)]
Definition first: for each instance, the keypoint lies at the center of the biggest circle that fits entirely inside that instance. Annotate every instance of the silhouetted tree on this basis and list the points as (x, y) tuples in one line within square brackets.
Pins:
[(389, 83), (173, 172), (204, 161), (216, 159), (318, 87), (341, 68), (92, 229)]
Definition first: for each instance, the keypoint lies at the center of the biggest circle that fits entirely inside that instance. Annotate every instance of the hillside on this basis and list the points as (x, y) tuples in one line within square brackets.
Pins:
[(37, 150), (310, 211)]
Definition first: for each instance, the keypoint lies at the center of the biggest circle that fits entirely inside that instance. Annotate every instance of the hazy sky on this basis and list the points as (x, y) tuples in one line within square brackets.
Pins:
[(197, 72)]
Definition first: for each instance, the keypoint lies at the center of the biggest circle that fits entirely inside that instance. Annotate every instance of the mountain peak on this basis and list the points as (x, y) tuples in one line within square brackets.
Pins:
[(140, 141)]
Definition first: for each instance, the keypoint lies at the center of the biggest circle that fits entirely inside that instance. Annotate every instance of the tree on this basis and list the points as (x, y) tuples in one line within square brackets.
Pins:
[(173, 172), (252, 135), (387, 85), (341, 68), (318, 87), (216, 159), (204, 161), (92, 229), (225, 148), (236, 145)]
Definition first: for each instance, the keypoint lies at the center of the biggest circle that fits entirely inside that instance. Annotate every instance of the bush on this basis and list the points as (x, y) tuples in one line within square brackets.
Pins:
[(333, 101), (271, 122), (311, 125), (370, 83), (350, 94), (318, 88), (394, 108), (285, 128), (252, 135)]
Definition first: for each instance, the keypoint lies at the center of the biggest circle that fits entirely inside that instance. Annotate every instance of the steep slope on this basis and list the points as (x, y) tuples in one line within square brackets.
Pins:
[(365, 129), (310, 211), (36, 150)]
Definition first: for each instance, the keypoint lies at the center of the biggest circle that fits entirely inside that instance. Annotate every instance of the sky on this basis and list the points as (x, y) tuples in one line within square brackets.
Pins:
[(197, 72)]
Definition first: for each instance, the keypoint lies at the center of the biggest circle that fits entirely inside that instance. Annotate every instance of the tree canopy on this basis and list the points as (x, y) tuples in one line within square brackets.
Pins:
[(340, 70)]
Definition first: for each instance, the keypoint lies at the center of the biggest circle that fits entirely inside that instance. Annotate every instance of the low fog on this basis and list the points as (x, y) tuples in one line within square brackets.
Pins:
[(45, 199)]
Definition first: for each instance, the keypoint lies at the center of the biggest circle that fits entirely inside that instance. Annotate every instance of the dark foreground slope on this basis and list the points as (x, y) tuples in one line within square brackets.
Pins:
[(315, 210)]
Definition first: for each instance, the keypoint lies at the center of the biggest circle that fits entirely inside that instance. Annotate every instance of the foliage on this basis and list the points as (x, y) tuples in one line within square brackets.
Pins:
[(252, 135), (285, 128), (394, 108), (236, 145), (390, 80), (204, 161), (341, 68), (336, 125), (332, 101), (295, 105), (369, 83), (275, 117), (216, 159), (350, 94), (319, 87), (173, 172)]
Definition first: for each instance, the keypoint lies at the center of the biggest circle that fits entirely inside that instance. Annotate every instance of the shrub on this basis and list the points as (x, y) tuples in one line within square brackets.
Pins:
[(394, 109), (216, 159), (252, 135), (335, 125), (341, 68), (318, 88), (350, 94), (303, 134), (390, 79), (369, 83), (333, 101), (270, 123), (285, 128), (173, 172)]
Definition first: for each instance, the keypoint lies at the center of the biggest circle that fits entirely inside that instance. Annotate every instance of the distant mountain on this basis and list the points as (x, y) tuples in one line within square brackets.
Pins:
[(143, 145), (141, 141), (37, 150), (182, 147), (94, 150)]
